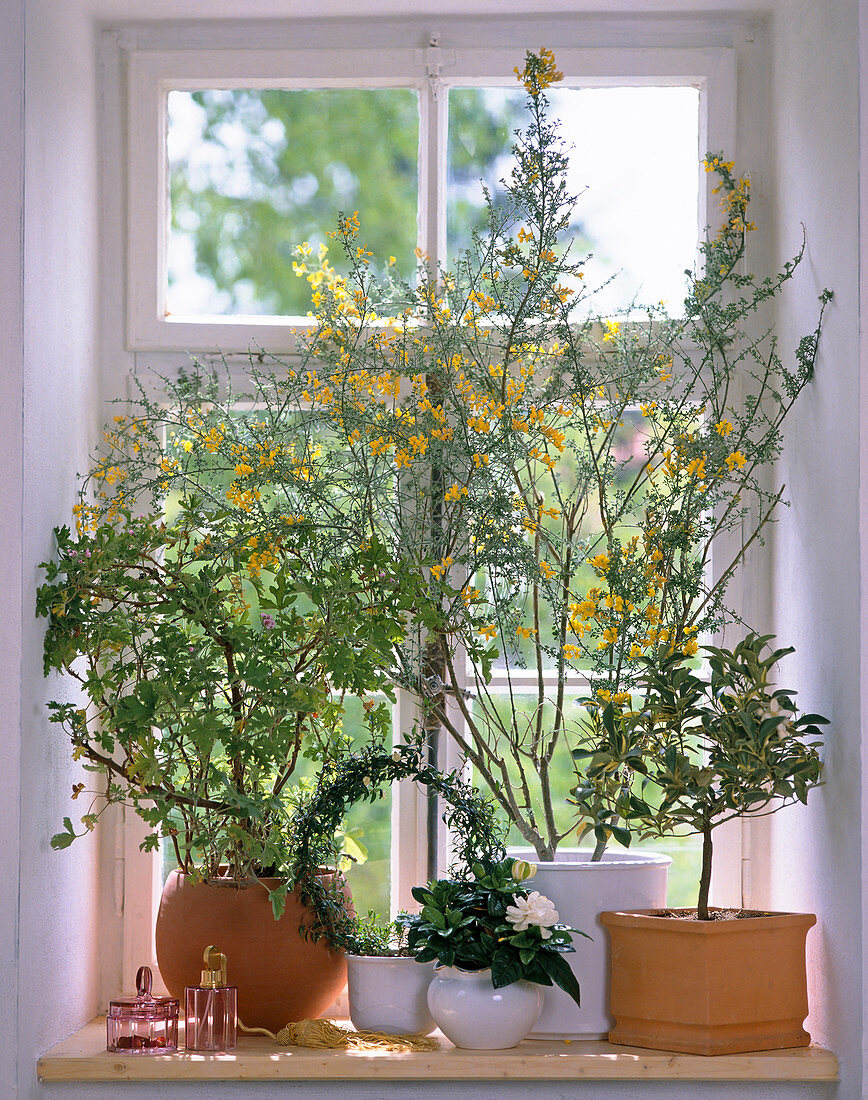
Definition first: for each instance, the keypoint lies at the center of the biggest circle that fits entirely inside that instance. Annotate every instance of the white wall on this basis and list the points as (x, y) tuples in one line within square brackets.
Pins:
[(11, 304), (816, 862), (797, 125), (62, 939)]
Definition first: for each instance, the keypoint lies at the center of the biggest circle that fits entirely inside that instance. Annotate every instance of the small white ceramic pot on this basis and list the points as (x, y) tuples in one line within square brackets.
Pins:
[(389, 994), (471, 1013)]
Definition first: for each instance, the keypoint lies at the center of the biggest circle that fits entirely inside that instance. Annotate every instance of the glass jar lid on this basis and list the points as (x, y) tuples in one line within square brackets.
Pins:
[(144, 1006)]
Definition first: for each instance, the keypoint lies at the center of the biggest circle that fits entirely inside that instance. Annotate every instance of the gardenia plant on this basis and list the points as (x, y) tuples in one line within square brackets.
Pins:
[(491, 921)]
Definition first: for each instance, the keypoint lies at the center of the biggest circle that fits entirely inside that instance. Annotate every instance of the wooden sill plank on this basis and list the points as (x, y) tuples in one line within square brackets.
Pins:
[(83, 1057)]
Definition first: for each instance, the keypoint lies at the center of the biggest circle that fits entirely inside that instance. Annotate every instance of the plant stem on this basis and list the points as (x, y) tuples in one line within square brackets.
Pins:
[(705, 876)]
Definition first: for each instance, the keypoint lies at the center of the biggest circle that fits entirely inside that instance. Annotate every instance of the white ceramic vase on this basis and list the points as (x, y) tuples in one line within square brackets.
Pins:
[(389, 994), (471, 1013), (581, 890)]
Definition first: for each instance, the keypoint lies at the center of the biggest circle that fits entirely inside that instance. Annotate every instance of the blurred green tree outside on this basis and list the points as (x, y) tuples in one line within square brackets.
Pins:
[(253, 173)]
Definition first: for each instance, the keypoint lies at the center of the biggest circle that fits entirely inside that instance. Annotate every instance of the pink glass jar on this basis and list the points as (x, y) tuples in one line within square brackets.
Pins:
[(142, 1024)]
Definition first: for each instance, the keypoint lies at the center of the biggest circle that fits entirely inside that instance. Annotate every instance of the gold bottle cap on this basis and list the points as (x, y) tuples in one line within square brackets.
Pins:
[(214, 974)]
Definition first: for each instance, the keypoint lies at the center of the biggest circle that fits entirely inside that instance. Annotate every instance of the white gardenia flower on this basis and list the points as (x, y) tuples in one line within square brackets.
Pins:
[(534, 909)]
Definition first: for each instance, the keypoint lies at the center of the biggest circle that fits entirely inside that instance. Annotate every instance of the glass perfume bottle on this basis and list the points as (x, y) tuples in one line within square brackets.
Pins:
[(142, 1024), (211, 1008)]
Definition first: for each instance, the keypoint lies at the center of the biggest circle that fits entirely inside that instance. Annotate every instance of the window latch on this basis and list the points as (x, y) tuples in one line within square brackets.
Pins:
[(435, 59)]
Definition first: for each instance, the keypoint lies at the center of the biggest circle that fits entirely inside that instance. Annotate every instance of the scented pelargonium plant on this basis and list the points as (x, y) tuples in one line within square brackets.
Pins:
[(214, 653), (489, 919), (557, 482)]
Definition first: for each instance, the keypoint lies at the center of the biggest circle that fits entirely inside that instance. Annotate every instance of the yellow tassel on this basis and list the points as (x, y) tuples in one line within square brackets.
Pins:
[(328, 1035)]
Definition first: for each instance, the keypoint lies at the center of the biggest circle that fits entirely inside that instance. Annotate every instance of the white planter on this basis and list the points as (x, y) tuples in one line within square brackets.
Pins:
[(471, 1013), (581, 890), (389, 994)]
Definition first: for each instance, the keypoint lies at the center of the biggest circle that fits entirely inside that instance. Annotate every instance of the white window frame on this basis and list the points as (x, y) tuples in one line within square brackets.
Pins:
[(430, 72), (145, 75)]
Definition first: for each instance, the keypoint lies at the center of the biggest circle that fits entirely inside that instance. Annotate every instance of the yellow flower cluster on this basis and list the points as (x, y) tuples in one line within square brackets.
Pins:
[(539, 72), (618, 698), (735, 198), (87, 517), (242, 498), (237, 603), (438, 570), (265, 557)]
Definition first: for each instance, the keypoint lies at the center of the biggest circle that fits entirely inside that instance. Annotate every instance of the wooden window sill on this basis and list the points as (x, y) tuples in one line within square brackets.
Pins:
[(83, 1057)]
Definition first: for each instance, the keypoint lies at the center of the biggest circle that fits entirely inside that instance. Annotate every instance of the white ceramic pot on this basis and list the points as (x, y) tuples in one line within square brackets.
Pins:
[(471, 1013), (389, 994), (581, 890)]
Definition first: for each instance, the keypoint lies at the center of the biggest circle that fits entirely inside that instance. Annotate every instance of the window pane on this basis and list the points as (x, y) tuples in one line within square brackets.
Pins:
[(370, 824), (566, 484), (634, 165), (254, 173)]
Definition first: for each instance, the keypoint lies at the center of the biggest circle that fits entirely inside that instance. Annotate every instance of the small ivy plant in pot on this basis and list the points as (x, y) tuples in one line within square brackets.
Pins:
[(387, 988), (373, 938), (495, 943), (720, 748)]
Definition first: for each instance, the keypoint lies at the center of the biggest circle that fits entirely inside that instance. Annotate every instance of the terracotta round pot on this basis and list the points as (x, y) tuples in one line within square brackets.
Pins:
[(281, 977)]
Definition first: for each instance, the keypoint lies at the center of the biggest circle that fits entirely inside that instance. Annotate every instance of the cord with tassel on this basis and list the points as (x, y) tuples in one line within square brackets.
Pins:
[(327, 1035)]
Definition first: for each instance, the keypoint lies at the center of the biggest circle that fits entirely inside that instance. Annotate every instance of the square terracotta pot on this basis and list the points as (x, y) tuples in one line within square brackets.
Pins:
[(708, 987)]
